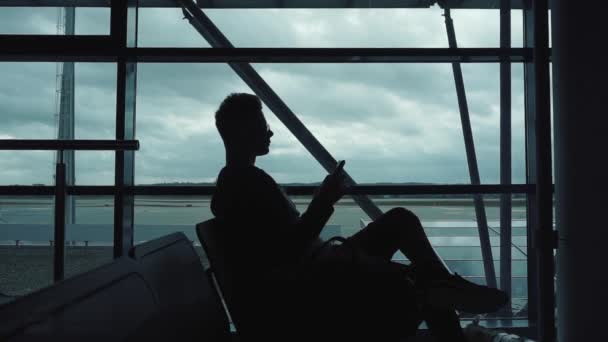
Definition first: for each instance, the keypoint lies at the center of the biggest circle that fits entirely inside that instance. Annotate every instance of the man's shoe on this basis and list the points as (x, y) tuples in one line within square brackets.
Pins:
[(455, 292), (476, 333)]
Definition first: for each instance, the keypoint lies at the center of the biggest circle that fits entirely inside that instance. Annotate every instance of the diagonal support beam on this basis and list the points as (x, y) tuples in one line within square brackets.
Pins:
[(216, 39), (480, 211)]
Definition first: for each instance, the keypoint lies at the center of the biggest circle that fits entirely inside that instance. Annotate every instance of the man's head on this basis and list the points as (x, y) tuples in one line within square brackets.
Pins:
[(242, 125)]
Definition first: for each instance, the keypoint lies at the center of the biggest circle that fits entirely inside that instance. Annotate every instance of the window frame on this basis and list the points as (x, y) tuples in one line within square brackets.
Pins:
[(120, 47)]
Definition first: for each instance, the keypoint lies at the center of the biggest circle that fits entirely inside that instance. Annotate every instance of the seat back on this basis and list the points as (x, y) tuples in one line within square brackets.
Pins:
[(5, 298), (213, 241), (104, 304), (185, 292)]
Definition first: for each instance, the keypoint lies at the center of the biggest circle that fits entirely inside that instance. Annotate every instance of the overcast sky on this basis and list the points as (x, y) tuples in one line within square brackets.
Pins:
[(391, 122)]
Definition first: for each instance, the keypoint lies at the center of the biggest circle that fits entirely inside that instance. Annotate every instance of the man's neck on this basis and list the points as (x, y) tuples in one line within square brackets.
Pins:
[(238, 160)]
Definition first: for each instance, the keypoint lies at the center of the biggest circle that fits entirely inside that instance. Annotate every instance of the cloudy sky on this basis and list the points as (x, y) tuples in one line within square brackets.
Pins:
[(391, 122)]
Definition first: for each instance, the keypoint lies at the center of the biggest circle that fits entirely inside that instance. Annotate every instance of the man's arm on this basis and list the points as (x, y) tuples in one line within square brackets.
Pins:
[(311, 223), (268, 215)]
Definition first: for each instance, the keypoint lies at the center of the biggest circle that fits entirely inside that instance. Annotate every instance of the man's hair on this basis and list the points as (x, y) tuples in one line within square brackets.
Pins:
[(235, 110)]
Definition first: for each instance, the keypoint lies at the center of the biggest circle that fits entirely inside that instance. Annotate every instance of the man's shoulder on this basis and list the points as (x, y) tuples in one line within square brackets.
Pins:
[(249, 174)]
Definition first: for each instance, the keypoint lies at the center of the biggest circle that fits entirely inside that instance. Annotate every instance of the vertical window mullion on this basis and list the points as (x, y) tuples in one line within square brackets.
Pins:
[(124, 35), (530, 133), (505, 151), (543, 237)]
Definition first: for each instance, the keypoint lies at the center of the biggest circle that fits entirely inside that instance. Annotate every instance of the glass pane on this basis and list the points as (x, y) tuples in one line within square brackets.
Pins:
[(26, 232), (50, 21), (391, 122), (32, 95), (89, 234), (28, 101), (517, 28), (93, 21), (38, 168), (29, 20), (400, 122), (156, 216), (323, 28), (518, 125), (175, 32), (95, 100), (27, 167), (477, 28), (95, 167), (176, 104)]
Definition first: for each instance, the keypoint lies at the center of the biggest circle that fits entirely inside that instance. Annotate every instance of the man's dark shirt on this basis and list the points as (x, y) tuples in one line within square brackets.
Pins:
[(264, 230)]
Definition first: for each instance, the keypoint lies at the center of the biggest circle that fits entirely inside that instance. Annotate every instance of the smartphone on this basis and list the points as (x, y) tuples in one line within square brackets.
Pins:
[(340, 166)]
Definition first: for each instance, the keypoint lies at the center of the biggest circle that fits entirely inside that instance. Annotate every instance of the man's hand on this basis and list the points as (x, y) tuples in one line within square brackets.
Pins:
[(333, 187)]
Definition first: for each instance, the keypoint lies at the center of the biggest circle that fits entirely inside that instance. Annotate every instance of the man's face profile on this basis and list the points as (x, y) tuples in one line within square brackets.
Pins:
[(260, 134), (241, 123)]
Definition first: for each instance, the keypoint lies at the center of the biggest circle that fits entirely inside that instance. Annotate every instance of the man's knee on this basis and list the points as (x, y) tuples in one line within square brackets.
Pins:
[(402, 215)]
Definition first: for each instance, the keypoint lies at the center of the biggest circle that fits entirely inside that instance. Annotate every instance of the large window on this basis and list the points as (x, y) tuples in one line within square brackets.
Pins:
[(409, 128)]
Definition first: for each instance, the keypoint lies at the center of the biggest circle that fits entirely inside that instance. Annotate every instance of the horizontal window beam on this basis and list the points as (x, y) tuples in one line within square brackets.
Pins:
[(488, 4), (33, 52), (330, 55), (16, 47), (29, 190), (393, 189), (207, 190), (53, 145), (359, 189)]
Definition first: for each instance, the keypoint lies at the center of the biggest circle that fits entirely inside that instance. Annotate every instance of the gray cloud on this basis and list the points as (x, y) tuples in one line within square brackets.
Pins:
[(27, 93), (21, 20), (392, 122), (26, 167)]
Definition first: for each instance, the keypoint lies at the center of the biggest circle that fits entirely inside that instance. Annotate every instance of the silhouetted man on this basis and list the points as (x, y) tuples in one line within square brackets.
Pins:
[(279, 263)]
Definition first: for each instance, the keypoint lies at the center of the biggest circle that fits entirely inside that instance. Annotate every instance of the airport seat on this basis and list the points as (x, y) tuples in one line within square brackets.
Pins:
[(5, 298), (322, 323), (251, 323), (105, 304), (210, 236), (187, 298)]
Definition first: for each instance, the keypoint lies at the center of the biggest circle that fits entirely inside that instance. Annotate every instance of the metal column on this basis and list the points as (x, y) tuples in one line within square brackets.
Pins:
[(65, 209), (480, 212), (59, 229), (532, 203), (217, 40), (543, 238), (505, 151), (66, 115), (124, 33), (580, 126)]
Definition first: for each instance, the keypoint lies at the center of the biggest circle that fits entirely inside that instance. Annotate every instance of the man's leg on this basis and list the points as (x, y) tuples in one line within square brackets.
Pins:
[(444, 325), (400, 229)]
